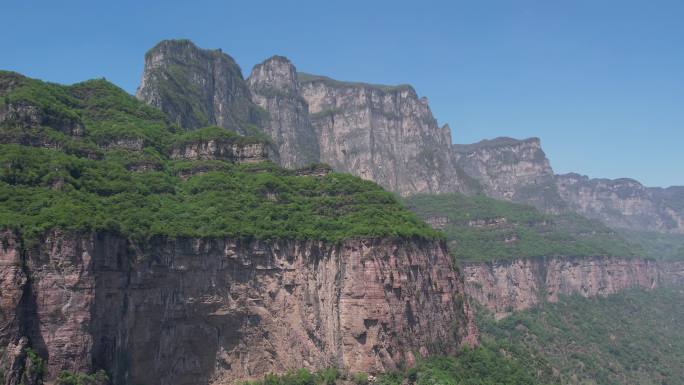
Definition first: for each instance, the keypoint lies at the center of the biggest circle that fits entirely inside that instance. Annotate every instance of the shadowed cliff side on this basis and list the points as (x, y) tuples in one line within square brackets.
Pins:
[(216, 310)]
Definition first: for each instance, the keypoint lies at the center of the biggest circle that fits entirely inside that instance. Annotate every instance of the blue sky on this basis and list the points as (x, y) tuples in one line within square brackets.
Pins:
[(601, 82)]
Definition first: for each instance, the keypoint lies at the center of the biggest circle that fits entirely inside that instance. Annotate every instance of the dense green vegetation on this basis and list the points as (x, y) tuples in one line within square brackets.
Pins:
[(307, 78), (480, 366), (481, 228), (658, 245), (43, 184), (70, 378), (300, 377), (631, 338)]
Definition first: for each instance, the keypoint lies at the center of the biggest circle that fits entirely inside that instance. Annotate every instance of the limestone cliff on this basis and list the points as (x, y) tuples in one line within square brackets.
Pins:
[(275, 88), (624, 203), (382, 133), (512, 170), (212, 311), (217, 149), (518, 171), (197, 87), (513, 285)]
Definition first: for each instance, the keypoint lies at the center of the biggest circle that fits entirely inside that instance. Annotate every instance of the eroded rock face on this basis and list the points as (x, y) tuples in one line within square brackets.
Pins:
[(26, 115), (195, 311), (221, 150), (623, 203), (275, 88), (507, 286), (512, 170), (386, 134), (197, 87)]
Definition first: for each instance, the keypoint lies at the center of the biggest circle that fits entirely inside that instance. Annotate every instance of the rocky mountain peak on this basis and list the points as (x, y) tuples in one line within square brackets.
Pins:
[(274, 87), (197, 87), (276, 72), (511, 169)]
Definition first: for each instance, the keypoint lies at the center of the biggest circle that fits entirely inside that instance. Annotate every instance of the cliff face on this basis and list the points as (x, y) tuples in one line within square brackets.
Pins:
[(382, 133), (518, 171), (216, 149), (197, 87), (195, 311), (506, 286), (623, 203), (275, 88), (512, 170)]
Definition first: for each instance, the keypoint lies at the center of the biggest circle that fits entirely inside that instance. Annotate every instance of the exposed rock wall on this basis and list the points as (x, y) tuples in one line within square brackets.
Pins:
[(506, 286), (193, 311), (382, 133), (221, 150), (275, 88), (197, 87), (623, 203), (512, 170)]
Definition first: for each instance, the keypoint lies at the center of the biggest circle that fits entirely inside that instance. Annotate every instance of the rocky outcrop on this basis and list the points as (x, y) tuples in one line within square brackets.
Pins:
[(275, 88), (386, 134), (217, 149), (512, 170), (623, 203), (196, 87), (210, 311), (518, 171), (513, 285)]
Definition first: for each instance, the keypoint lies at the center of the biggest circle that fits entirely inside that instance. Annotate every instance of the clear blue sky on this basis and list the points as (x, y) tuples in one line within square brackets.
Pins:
[(600, 81)]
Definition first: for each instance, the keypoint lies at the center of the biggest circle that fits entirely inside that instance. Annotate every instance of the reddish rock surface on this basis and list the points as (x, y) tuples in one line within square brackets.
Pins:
[(506, 286), (193, 311)]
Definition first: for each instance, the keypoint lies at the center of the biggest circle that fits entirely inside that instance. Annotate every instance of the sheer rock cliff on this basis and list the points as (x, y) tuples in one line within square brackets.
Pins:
[(383, 133), (192, 311), (513, 285), (275, 88), (512, 170), (624, 203)]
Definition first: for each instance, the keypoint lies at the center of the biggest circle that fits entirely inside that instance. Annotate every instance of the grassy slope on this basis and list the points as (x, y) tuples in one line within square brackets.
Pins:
[(79, 184), (630, 338), (524, 231)]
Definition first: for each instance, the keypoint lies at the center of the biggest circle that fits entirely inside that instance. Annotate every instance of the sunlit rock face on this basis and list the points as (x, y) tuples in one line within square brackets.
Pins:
[(624, 203), (512, 170), (275, 88), (386, 134), (513, 285)]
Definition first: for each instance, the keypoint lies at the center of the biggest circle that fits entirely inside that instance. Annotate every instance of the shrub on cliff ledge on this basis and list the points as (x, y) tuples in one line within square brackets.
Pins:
[(70, 378)]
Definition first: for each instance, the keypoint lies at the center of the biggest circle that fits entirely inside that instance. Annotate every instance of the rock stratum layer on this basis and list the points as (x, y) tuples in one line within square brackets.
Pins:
[(386, 134), (514, 285), (193, 311)]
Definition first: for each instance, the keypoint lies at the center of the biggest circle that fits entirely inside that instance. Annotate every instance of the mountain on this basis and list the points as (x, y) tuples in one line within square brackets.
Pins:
[(197, 88), (382, 133), (386, 134), (624, 203), (156, 255), (512, 170), (274, 85)]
